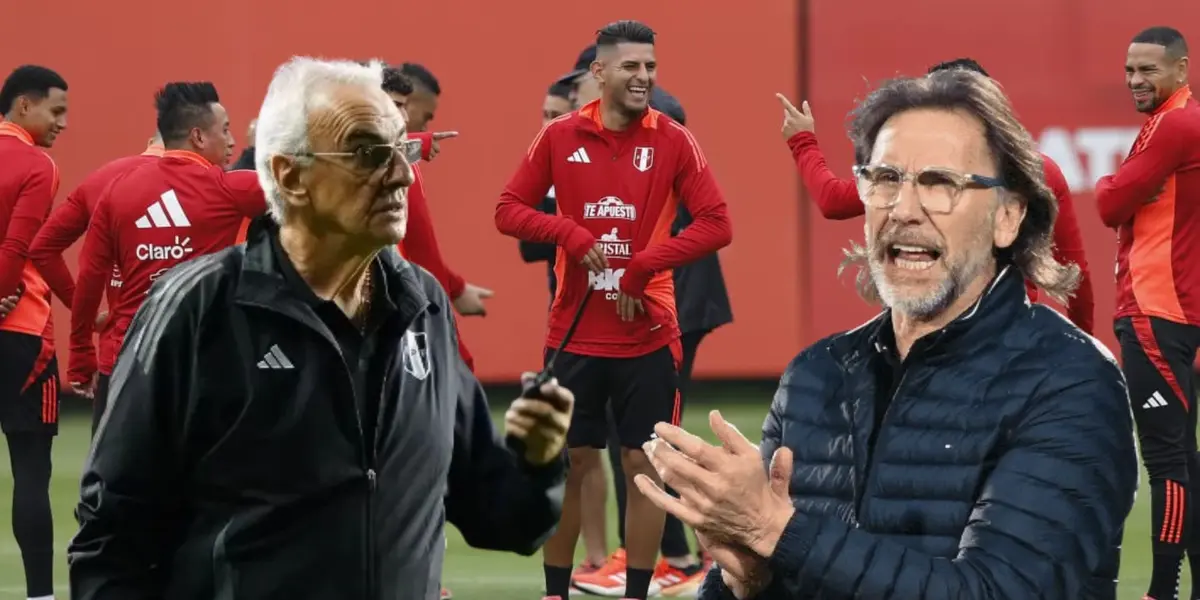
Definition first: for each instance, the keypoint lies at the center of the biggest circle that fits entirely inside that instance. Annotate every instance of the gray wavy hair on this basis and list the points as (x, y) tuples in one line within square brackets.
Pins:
[(1019, 165)]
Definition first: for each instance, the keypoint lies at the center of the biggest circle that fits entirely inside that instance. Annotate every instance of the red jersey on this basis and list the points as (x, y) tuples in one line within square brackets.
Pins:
[(28, 183), (838, 199), (621, 189), (69, 221), (420, 246), (1153, 200), (146, 222)]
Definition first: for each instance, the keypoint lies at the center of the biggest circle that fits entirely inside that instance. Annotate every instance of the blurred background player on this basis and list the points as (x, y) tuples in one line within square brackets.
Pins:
[(157, 216), (838, 198), (67, 223), (33, 102), (626, 351), (1153, 201), (420, 244)]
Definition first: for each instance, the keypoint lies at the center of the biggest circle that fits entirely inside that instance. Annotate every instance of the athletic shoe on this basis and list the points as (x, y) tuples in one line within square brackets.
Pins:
[(676, 582), (446, 595), (608, 580)]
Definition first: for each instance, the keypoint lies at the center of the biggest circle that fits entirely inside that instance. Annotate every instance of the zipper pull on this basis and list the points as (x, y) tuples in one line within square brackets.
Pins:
[(371, 480)]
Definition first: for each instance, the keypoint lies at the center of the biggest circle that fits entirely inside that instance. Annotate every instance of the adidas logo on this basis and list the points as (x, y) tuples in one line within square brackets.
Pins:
[(164, 213), (1154, 401), (275, 359), (579, 156)]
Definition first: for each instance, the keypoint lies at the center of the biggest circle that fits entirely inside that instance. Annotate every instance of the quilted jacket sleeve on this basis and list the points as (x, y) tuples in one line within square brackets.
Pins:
[(1043, 527)]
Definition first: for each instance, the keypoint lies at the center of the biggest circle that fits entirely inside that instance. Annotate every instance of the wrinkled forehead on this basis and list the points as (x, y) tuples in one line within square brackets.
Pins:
[(920, 138), (344, 114)]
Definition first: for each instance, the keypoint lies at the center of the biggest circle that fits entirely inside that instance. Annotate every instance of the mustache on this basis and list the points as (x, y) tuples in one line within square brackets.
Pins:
[(904, 237)]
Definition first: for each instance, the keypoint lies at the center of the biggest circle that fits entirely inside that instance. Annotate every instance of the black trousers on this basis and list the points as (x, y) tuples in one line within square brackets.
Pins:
[(674, 542)]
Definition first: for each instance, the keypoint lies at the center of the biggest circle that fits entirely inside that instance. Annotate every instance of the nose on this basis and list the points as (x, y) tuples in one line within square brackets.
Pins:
[(1135, 80), (401, 173), (908, 207)]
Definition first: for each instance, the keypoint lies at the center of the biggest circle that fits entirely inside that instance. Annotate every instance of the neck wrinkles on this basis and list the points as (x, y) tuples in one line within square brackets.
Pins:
[(332, 266)]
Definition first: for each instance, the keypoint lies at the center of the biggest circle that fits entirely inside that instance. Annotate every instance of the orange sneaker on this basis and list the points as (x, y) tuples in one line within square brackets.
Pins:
[(678, 583), (608, 580), (446, 595)]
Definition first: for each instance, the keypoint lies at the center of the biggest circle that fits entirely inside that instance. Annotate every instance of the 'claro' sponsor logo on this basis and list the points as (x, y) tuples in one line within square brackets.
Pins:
[(176, 251), (1086, 154)]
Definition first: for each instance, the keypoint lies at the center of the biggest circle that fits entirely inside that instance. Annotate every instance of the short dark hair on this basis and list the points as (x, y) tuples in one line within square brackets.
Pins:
[(29, 80), (395, 82), (627, 31), (967, 64), (420, 76), (1019, 165), (183, 105), (1167, 37), (560, 89)]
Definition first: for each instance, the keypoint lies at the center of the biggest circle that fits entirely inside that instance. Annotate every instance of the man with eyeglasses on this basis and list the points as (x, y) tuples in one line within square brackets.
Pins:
[(290, 416), (837, 198), (964, 444)]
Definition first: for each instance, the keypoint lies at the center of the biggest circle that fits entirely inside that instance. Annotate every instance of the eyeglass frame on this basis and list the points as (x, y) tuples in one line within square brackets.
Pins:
[(962, 182), (409, 149)]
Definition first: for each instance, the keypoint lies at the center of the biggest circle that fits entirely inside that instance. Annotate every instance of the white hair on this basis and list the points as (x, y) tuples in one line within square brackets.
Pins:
[(283, 119)]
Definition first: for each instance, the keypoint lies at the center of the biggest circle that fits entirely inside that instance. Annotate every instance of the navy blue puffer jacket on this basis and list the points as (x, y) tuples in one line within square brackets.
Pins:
[(1004, 466)]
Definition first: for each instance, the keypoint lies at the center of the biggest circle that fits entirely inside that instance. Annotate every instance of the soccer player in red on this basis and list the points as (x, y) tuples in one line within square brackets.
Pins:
[(1153, 201), (838, 198), (619, 169), (157, 216), (33, 102), (420, 243), (66, 224)]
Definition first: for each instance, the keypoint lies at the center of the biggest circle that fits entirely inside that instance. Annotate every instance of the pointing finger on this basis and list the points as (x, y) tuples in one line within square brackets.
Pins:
[(445, 135), (787, 104)]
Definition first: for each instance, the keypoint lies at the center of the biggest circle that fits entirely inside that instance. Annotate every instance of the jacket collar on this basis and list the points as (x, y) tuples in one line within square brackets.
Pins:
[(10, 129), (986, 320), (589, 118), (262, 281)]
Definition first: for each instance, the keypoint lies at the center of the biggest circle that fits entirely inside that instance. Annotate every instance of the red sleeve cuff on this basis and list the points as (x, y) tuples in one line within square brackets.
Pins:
[(426, 143), (455, 285)]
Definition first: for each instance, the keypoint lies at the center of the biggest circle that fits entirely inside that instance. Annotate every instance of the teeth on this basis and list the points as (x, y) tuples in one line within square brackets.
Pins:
[(914, 265), (904, 248)]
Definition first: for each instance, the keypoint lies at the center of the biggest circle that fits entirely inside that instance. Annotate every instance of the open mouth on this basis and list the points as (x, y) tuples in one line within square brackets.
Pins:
[(912, 257), (1143, 95), (638, 92)]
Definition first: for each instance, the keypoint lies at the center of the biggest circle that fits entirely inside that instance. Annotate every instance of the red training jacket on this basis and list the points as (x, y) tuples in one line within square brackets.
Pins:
[(149, 220), (838, 199), (420, 246), (69, 221), (1153, 200), (28, 183), (621, 189)]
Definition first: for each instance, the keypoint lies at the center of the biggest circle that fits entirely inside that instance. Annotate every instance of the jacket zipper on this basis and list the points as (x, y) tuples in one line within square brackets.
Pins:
[(372, 572), (872, 458)]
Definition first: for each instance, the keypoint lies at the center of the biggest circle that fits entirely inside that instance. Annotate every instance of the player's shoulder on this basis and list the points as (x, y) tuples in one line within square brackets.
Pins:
[(566, 124)]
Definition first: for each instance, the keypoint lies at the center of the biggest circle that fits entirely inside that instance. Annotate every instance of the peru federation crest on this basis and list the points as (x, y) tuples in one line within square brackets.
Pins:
[(643, 158)]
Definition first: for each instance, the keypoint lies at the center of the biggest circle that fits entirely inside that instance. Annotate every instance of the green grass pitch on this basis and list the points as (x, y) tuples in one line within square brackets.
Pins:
[(470, 574)]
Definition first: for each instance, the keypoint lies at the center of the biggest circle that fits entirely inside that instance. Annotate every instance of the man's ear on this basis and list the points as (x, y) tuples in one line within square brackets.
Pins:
[(597, 69), (1009, 216), (1181, 69), (290, 177)]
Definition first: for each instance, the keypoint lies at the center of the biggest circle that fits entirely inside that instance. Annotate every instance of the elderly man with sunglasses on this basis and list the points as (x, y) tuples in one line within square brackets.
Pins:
[(965, 443), (291, 417)]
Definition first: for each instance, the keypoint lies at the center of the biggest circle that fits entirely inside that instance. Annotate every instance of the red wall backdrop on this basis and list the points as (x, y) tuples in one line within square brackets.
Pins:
[(1060, 60)]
